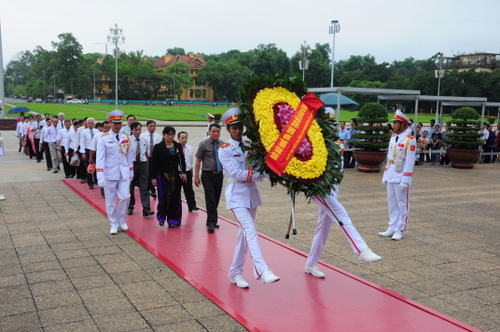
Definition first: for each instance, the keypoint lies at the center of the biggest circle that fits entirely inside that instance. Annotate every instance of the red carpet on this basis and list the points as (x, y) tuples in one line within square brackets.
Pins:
[(298, 302)]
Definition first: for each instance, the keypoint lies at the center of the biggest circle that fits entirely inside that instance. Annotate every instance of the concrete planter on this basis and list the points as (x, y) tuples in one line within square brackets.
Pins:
[(369, 161), (462, 158)]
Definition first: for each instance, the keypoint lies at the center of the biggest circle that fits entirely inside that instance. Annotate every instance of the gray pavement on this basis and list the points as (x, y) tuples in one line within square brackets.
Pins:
[(60, 270)]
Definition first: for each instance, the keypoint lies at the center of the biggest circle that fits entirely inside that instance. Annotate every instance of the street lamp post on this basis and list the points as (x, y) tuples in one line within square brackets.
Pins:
[(333, 29), (116, 38), (439, 73), (305, 53)]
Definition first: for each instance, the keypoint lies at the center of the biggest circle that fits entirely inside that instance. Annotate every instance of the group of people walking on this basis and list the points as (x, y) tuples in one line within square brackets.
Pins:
[(119, 158)]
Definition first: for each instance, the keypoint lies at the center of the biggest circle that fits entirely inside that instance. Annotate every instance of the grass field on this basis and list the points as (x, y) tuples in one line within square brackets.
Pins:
[(160, 113)]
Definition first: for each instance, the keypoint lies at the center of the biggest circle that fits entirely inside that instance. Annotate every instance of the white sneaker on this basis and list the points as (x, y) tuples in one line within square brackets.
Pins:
[(368, 255), (313, 270), (269, 277), (113, 231), (124, 227), (387, 233), (239, 281), (397, 236), (2, 197)]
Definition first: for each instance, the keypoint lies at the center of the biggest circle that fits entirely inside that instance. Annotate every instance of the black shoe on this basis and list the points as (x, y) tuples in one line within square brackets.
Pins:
[(147, 213), (49, 169), (216, 226), (55, 171), (153, 195), (161, 224), (210, 228), (130, 212), (72, 176), (194, 209), (90, 186)]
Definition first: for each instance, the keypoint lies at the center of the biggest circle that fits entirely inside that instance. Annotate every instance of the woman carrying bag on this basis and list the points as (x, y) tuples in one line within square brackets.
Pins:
[(167, 171)]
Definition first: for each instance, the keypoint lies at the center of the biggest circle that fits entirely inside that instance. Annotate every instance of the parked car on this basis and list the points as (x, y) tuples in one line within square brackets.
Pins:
[(74, 101), (38, 100)]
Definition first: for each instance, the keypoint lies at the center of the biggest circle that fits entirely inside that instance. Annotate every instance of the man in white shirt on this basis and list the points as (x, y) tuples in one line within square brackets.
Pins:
[(44, 145), (51, 140), (182, 136), (81, 172), (86, 143), (139, 147), (21, 131), (103, 127), (130, 120), (153, 138), (61, 146), (71, 146)]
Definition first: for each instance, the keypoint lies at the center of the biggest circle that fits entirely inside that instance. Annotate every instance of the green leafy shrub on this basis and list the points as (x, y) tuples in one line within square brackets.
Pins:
[(371, 134), (465, 129)]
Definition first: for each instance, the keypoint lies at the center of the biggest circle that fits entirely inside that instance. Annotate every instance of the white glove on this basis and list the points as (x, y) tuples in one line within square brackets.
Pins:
[(403, 186), (384, 182), (101, 183)]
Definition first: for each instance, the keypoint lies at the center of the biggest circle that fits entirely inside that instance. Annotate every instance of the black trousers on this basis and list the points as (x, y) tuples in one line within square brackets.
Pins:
[(91, 177), (38, 151), (140, 180), (212, 185), (188, 190), (66, 166), (48, 158)]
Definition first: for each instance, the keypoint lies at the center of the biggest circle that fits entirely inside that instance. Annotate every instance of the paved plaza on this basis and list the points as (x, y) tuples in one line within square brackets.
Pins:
[(60, 270)]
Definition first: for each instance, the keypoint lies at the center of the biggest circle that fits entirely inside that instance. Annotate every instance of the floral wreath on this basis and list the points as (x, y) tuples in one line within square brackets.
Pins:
[(267, 105)]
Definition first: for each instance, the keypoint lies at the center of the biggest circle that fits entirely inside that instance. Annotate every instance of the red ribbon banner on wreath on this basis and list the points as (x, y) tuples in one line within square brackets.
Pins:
[(291, 136)]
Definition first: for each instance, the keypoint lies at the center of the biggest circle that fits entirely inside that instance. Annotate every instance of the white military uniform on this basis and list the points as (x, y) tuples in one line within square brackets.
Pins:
[(114, 164), (242, 198), (399, 169), (325, 220)]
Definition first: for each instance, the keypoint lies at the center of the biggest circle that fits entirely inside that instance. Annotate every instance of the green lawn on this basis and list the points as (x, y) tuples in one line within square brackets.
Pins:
[(161, 113)]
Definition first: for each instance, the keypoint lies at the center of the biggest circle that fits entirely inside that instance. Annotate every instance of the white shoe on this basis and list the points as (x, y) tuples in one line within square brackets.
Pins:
[(113, 231), (239, 281), (2, 197), (313, 270), (269, 277), (397, 236), (124, 227), (368, 255), (387, 233)]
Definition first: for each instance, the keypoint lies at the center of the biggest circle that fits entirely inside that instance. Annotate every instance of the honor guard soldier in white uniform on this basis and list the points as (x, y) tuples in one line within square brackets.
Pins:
[(329, 210), (115, 169), (397, 176), (242, 198)]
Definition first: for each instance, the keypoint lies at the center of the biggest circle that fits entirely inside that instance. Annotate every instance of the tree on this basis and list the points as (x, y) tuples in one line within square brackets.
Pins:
[(177, 78), (224, 77), (319, 72), (268, 59), (176, 51), (68, 59)]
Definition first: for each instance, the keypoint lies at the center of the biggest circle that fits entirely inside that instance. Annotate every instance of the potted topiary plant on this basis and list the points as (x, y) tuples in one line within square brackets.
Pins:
[(371, 137), (464, 137)]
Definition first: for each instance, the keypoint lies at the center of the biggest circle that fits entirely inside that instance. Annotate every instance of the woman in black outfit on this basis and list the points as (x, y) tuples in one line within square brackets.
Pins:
[(166, 170)]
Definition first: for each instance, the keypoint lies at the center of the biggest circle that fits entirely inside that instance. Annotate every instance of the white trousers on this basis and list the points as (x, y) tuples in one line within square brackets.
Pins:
[(247, 241), (399, 207), (325, 220), (117, 190)]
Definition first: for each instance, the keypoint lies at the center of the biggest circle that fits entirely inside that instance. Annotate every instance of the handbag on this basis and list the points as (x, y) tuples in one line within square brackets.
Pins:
[(75, 160)]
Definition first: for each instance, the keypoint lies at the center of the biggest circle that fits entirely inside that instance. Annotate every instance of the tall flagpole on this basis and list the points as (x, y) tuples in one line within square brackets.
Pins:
[(2, 90)]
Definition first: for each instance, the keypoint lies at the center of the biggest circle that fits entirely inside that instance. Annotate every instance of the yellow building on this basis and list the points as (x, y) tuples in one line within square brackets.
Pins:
[(198, 91), (479, 61)]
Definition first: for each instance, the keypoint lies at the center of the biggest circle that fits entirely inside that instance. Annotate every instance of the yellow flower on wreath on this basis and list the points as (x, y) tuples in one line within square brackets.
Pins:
[(264, 115)]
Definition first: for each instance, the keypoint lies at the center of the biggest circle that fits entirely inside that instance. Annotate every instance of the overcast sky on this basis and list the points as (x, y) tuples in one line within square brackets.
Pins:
[(388, 29)]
